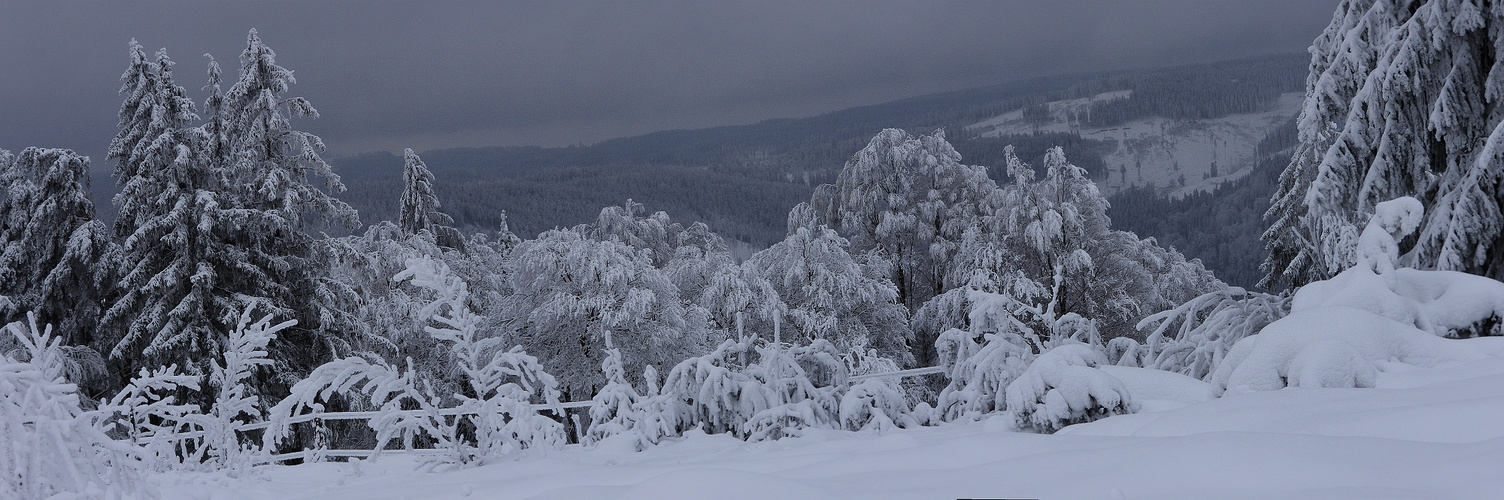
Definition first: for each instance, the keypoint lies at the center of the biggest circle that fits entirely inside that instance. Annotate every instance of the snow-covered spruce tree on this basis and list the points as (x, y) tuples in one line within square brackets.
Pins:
[(172, 304), (269, 204), (1401, 101), (569, 288), (51, 447), (420, 206), (49, 264), (911, 198), (829, 296)]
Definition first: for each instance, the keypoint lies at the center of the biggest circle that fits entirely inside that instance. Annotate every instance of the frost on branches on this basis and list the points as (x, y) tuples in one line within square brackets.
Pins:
[(175, 434), (49, 446), (830, 296), (496, 402), (614, 409), (569, 289), (910, 198), (752, 391), (52, 245), (1396, 105)]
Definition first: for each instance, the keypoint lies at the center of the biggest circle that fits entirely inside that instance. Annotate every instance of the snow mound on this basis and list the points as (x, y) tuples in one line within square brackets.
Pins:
[(1332, 344), (1063, 386), (1159, 386), (1445, 303)]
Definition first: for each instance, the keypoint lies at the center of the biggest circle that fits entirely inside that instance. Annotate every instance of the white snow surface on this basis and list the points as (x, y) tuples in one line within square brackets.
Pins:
[(1434, 301), (1424, 432), (1158, 151)]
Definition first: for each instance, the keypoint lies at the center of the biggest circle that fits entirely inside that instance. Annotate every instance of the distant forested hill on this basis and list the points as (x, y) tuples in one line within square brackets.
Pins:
[(743, 179)]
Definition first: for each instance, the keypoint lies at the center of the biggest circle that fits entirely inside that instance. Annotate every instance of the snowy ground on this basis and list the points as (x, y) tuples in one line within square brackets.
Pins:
[(1161, 151), (1423, 433)]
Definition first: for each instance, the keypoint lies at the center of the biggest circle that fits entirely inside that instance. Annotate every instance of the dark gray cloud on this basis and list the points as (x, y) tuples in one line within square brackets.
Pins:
[(424, 74)]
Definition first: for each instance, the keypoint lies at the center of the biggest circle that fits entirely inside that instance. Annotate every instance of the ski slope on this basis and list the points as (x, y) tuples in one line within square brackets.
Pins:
[(1421, 433)]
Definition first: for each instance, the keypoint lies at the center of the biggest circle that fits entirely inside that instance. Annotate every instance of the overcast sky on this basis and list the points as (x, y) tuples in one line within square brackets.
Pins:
[(426, 74)]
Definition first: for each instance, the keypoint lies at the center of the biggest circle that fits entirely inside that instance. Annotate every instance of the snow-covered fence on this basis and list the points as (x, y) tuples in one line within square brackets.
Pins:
[(449, 412), (912, 372)]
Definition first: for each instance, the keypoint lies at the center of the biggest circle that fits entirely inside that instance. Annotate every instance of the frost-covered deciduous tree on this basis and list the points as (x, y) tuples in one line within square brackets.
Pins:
[(1049, 246), (911, 198), (50, 262), (569, 289), (830, 297), (1400, 101)]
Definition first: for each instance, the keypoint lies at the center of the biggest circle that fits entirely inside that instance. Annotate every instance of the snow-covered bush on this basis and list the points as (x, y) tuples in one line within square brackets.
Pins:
[(876, 404), (496, 403), (148, 413), (1445, 303), (407, 410), (978, 374), (752, 391), (175, 434), (1267, 361), (1330, 363), (49, 446), (1063, 386), (659, 413), (1193, 338), (502, 384), (234, 404), (796, 401), (613, 410)]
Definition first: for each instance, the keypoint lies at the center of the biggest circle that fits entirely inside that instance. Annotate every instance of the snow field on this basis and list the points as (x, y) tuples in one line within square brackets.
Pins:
[(1421, 433)]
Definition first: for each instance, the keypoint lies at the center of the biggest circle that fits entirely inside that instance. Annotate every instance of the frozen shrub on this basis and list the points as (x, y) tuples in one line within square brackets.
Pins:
[(1063, 386), (49, 446)]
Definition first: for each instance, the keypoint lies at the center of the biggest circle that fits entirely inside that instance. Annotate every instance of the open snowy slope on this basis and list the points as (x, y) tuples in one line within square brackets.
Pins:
[(1160, 152), (1422, 433)]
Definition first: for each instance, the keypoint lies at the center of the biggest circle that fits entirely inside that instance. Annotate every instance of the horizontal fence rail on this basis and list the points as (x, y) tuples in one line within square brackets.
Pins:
[(449, 412)]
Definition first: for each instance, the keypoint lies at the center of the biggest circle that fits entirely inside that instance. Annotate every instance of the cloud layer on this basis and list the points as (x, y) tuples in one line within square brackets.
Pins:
[(387, 75)]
